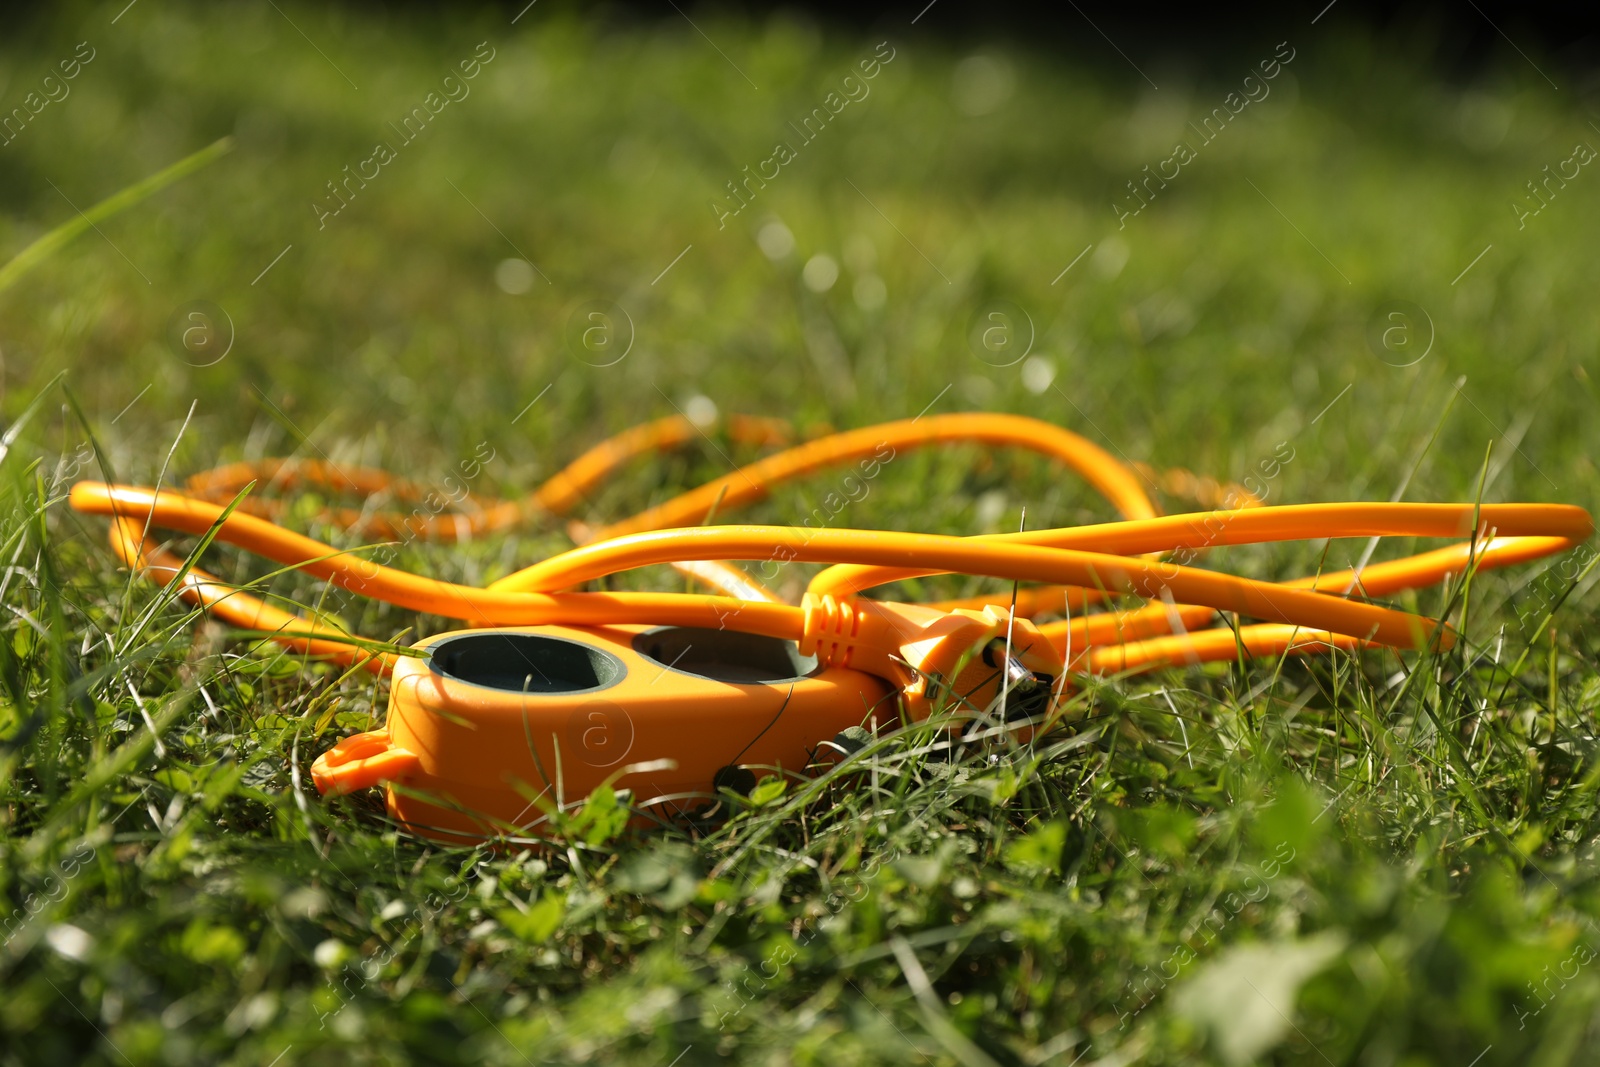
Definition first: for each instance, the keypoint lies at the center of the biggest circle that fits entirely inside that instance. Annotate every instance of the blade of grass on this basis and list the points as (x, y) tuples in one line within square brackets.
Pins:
[(45, 246)]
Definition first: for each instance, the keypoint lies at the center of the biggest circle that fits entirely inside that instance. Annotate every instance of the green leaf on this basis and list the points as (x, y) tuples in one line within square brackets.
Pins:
[(667, 872), (1294, 818), (768, 791), (925, 871), (538, 922), (1244, 999), (1162, 829), (1038, 851), (602, 817), (211, 944)]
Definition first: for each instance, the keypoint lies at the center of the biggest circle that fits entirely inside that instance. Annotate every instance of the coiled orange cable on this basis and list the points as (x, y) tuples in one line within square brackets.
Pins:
[(1086, 564)]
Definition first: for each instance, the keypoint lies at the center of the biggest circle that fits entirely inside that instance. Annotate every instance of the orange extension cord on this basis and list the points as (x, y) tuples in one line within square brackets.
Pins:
[(1078, 566)]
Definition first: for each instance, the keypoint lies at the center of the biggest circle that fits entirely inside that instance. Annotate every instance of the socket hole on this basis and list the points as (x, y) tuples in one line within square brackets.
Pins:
[(725, 655), (528, 663)]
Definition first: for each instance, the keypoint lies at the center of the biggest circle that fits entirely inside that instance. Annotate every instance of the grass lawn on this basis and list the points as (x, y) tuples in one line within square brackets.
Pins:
[(1374, 859)]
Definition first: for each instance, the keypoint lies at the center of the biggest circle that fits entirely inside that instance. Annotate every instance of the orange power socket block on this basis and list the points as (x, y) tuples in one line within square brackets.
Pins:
[(489, 726)]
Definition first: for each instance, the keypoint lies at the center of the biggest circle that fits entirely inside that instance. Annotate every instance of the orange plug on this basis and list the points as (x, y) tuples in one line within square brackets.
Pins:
[(942, 660)]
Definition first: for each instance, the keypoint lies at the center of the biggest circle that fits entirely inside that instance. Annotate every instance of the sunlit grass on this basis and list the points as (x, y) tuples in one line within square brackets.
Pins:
[(1397, 852)]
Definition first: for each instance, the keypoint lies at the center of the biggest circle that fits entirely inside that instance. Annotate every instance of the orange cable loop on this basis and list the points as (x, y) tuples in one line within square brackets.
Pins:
[(1082, 566)]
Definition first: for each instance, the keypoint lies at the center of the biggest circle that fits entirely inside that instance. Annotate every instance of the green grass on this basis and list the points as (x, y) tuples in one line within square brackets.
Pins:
[(1369, 860)]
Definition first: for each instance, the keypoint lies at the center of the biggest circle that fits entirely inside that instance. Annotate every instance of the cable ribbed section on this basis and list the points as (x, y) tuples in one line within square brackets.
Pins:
[(831, 626)]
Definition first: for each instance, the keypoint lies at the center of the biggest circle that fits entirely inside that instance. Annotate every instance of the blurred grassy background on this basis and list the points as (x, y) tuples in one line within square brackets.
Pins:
[(597, 151), (1219, 322)]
